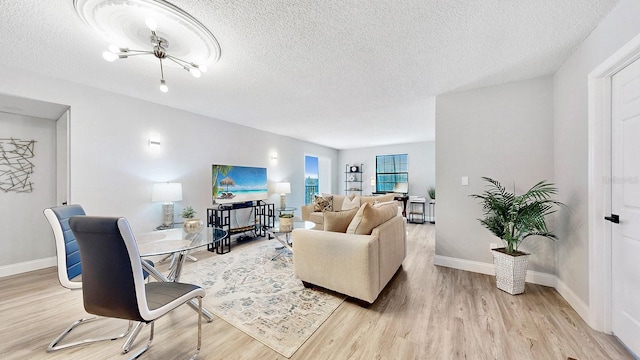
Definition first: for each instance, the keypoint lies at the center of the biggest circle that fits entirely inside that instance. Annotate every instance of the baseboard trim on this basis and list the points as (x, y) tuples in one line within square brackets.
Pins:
[(576, 303), (26, 266), (534, 277), (462, 264)]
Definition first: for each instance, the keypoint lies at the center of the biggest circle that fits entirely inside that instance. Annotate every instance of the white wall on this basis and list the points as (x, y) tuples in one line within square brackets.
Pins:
[(21, 220), (504, 132), (113, 168), (571, 142), (422, 166)]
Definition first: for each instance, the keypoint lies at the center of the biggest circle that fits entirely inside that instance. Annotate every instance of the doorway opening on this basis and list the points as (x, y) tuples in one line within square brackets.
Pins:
[(317, 176), (40, 173)]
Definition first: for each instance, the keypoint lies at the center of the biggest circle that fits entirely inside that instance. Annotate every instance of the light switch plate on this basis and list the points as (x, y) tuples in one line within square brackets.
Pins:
[(465, 181)]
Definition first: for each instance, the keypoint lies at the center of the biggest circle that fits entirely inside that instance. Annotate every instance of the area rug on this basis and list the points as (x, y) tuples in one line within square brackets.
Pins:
[(262, 297)]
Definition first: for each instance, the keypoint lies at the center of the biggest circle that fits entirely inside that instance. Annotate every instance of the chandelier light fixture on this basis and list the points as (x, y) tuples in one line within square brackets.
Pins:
[(160, 46), (147, 27)]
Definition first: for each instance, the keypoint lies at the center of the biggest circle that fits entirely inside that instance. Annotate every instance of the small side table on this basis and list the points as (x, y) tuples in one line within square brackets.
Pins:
[(417, 210), (287, 210), (284, 235)]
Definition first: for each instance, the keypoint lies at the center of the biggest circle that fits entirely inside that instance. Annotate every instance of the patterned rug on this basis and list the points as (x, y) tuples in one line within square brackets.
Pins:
[(262, 297)]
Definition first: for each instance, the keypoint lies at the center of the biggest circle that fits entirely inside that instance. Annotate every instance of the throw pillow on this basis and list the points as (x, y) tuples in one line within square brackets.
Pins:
[(378, 198), (385, 203), (349, 204), (368, 217), (338, 221), (322, 203)]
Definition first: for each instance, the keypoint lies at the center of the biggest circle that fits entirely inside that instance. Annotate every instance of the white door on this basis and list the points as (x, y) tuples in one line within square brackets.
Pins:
[(625, 192)]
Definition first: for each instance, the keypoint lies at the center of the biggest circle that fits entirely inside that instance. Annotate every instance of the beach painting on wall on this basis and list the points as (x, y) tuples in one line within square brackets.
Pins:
[(232, 183)]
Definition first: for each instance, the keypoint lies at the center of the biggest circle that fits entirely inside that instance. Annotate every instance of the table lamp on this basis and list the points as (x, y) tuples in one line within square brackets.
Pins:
[(283, 188), (167, 193)]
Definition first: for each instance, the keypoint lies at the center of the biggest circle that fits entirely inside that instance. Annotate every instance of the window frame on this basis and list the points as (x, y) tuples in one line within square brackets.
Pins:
[(399, 171)]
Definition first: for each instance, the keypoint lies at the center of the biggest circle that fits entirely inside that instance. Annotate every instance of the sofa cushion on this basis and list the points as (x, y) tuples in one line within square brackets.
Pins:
[(349, 204), (323, 203), (385, 203), (338, 221), (369, 217), (316, 217), (379, 198)]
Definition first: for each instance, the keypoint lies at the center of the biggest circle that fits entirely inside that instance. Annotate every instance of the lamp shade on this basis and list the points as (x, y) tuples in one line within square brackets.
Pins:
[(167, 192), (283, 188)]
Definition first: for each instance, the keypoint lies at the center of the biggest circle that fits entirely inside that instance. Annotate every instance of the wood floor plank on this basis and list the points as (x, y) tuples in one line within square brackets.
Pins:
[(425, 312)]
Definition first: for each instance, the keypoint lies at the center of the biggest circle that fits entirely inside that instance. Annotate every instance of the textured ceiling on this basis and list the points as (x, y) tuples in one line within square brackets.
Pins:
[(344, 74)]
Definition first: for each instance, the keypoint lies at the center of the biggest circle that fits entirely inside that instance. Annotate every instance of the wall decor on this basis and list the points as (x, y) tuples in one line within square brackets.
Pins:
[(15, 165)]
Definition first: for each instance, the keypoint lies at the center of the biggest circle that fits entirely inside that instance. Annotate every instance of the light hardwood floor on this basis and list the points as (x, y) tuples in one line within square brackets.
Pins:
[(425, 312)]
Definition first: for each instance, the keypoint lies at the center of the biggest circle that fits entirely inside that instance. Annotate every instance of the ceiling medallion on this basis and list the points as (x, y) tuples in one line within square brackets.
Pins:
[(148, 27)]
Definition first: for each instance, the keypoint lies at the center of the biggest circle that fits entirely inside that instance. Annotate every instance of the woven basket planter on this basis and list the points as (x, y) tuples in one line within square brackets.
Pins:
[(286, 223), (511, 271)]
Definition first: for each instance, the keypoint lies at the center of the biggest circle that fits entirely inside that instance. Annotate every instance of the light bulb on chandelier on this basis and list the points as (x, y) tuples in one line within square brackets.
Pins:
[(159, 50), (163, 86), (109, 56)]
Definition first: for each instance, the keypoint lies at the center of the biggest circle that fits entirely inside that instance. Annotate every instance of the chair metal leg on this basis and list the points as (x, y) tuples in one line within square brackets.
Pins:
[(151, 332), (127, 344), (144, 349), (195, 355), (54, 344)]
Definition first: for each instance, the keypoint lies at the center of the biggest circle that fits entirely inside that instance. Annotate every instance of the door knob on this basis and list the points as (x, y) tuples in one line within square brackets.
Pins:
[(613, 218)]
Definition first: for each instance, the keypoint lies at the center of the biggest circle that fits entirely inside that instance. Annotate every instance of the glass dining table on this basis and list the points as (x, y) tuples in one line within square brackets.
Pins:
[(177, 243)]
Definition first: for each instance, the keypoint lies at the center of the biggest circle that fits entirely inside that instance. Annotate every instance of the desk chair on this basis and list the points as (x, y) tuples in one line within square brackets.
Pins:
[(113, 282), (70, 268)]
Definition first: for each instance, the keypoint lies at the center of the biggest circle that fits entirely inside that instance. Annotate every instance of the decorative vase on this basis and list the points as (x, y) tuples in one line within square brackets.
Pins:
[(193, 226), (511, 270)]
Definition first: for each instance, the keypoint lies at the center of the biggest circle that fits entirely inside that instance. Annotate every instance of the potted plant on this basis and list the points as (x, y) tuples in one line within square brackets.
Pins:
[(191, 225), (432, 193), (286, 221), (513, 218)]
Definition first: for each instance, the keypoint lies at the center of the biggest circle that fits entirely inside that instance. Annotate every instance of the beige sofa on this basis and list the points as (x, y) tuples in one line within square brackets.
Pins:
[(317, 217), (354, 264)]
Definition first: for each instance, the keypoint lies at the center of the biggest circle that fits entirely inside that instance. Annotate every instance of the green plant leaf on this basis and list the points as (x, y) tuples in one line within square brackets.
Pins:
[(513, 217)]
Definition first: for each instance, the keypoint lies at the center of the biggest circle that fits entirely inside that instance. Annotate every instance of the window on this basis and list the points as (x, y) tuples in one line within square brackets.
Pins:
[(311, 178), (391, 169)]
